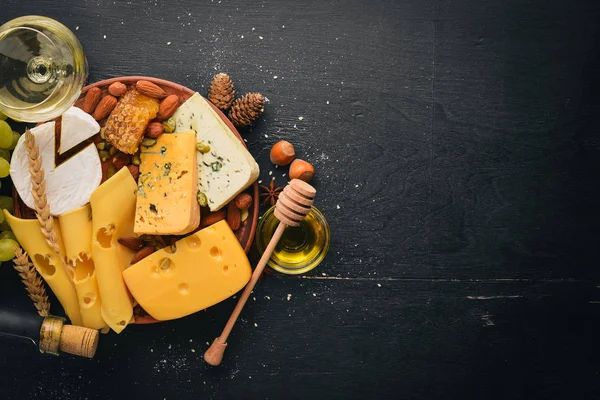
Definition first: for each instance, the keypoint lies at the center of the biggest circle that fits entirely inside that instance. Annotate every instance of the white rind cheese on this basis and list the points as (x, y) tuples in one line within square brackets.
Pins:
[(69, 185), (228, 168)]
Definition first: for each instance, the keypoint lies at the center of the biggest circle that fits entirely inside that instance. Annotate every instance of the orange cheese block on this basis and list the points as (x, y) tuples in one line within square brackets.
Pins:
[(167, 202), (205, 268)]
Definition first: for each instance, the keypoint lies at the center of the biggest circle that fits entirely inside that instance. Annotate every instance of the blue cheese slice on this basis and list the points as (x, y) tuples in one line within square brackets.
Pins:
[(227, 168)]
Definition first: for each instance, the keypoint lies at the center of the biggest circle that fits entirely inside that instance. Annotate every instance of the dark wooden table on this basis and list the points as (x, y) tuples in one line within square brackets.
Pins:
[(456, 145)]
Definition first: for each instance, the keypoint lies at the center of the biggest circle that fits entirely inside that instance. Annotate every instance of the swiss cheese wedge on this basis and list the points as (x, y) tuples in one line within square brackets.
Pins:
[(76, 229), (113, 212), (205, 268), (47, 262)]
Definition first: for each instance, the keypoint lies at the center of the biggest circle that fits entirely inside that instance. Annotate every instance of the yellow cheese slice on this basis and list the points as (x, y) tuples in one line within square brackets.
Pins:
[(47, 262), (168, 186), (76, 228), (206, 268), (113, 211)]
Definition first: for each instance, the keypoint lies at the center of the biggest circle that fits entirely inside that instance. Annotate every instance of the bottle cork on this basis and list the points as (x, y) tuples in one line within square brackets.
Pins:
[(79, 341)]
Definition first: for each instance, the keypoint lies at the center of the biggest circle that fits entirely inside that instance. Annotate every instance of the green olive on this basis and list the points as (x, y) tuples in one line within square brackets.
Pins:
[(202, 200), (148, 142), (101, 145), (104, 155), (170, 125), (111, 171), (202, 147), (135, 159), (113, 151)]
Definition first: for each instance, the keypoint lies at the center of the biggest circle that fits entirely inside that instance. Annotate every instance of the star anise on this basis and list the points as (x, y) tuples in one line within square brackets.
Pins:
[(271, 193)]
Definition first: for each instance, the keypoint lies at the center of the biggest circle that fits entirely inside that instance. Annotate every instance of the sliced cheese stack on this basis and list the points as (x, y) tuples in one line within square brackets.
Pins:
[(205, 268), (168, 184), (47, 262), (113, 211), (227, 168), (76, 229)]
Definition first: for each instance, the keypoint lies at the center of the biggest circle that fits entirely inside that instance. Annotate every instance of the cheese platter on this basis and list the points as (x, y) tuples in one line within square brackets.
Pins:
[(141, 175)]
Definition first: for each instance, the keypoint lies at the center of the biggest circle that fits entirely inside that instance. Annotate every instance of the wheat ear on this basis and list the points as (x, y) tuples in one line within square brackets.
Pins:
[(40, 201), (32, 281)]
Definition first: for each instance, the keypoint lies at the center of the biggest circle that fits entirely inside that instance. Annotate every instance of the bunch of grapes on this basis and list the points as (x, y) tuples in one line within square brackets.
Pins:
[(8, 141)]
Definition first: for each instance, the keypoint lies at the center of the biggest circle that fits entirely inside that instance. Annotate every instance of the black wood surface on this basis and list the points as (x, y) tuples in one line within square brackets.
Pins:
[(456, 145)]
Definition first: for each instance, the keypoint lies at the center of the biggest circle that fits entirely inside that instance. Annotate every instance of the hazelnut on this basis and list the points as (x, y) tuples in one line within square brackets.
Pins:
[(117, 89), (134, 170), (154, 130), (301, 169), (243, 201), (120, 160), (282, 153)]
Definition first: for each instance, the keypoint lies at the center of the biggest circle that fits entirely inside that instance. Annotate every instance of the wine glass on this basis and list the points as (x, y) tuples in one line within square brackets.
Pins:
[(42, 68)]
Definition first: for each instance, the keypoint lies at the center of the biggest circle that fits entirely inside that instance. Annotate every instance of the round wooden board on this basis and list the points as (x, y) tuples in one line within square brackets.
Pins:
[(247, 230)]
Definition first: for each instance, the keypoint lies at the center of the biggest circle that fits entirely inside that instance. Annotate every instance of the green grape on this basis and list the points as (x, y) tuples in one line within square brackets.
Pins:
[(2, 116), (15, 139), (7, 249), (4, 153), (4, 168), (6, 136), (6, 203), (8, 235)]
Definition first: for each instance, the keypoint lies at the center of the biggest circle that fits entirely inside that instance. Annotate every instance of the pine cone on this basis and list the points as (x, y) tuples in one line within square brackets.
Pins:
[(221, 92), (247, 109)]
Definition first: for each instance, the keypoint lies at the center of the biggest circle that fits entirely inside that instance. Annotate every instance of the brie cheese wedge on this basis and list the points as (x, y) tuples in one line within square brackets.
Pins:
[(69, 184), (227, 168)]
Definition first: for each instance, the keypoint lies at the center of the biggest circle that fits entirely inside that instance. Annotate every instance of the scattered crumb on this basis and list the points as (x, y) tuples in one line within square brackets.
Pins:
[(314, 295), (283, 174), (208, 344), (266, 136), (295, 126), (289, 296), (193, 350), (77, 28), (270, 172), (255, 325), (275, 77), (323, 273), (252, 29), (190, 340), (337, 206), (169, 347), (168, 43), (379, 285), (241, 37), (267, 297), (259, 181), (104, 36), (283, 26), (151, 350), (236, 294), (300, 118), (254, 298), (260, 37), (327, 101)]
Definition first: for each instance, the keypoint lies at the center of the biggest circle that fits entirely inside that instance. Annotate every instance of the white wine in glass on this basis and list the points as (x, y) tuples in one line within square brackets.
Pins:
[(42, 68)]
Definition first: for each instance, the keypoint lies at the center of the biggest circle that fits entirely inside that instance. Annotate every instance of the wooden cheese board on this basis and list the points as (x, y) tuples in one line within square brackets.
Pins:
[(245, 234)]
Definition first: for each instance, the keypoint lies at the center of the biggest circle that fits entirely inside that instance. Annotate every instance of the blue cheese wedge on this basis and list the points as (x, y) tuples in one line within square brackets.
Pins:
[(225, 167)]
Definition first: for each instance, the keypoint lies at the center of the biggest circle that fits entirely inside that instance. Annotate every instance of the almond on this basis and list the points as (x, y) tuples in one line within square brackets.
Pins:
[(106, 105), (120, 160), (150, 89), (134, 170), (210, 218), (243, 201), (91, 100), (167, 107), (142, 253), (154, 129), (117, 89), (233, 216), (132, 243)]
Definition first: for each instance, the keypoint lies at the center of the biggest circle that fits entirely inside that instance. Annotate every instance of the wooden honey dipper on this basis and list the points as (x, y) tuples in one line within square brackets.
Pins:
[(293, 205)]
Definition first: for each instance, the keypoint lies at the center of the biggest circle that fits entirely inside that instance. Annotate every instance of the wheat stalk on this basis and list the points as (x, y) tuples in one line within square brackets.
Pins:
[(33, 283), (40, 201)]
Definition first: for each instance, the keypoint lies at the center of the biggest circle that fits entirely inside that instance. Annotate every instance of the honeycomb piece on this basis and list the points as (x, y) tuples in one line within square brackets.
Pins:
[(126, 124)]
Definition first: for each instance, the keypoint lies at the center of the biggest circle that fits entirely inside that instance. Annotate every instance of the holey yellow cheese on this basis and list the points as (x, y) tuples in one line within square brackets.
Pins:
[(205, 268), (113, 211), (76, 229), (47, 262), (168, 186)]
